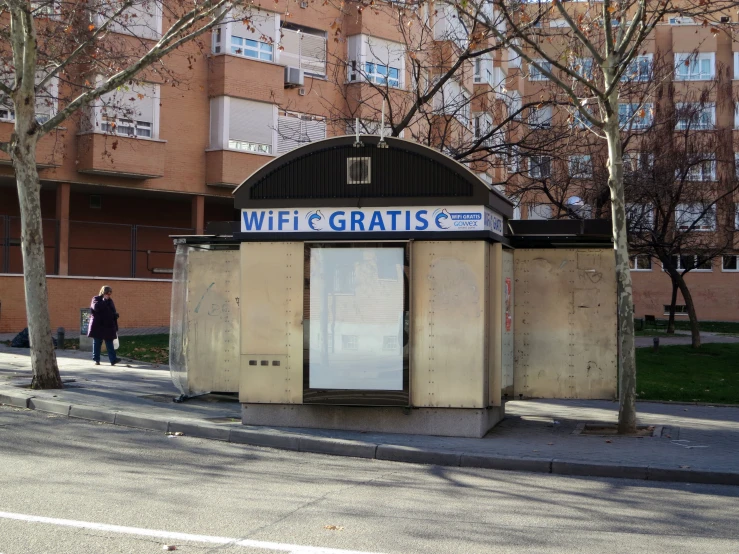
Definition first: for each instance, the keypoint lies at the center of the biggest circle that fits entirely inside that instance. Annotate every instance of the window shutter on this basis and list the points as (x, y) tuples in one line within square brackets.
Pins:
[(288, 134), (313, 53), (250, 121), (262, 23), (315, 130), (290, 42), (140, 20), (135, 103)]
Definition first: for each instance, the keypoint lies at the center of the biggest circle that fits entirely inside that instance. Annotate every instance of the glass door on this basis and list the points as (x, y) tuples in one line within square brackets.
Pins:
[(356, 297)]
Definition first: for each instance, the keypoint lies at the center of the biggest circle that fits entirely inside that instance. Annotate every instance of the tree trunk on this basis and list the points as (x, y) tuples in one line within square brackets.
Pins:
[(694, 330), (673, 303), (625, 301), (43, 358)]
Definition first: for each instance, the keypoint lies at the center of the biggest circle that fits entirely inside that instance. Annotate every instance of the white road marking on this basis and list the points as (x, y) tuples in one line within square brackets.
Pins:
[(281, 547)]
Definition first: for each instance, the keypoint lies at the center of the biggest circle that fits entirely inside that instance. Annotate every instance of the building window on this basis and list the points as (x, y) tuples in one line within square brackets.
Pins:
[(382, 74), (249, 48), (131, 111), (483, 70), (583, 67), (540, 118), (535, 74), (701, 170), (539, 211), (296, 129), (243, 125), (696, 116), (695, 67), (581, 167), (692, 262), (680, 309), (639, 217), (47, 98), (636, 162), (125, 127), (639, 69), (730, 263), (483, 128), (640, 262), (635, 116), (539, 167), (695, 217), (305, 48), (349, 342), (141, 20)]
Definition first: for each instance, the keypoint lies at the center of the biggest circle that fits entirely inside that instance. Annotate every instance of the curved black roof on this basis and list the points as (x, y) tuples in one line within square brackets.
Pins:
[(403, 174)]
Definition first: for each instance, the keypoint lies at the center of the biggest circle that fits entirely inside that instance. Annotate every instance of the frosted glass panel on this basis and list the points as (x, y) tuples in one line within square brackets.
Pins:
[(356, 318)]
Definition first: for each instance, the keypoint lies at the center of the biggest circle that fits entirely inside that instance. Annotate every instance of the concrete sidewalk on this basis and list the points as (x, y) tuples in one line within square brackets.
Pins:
[(692, 443)]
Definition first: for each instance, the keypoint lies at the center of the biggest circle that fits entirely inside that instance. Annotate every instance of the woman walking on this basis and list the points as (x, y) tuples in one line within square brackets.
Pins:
[(103, 325)]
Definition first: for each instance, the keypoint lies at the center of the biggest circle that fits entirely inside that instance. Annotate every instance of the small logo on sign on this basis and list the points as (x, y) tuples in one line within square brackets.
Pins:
[(315, 220), (443, 219)]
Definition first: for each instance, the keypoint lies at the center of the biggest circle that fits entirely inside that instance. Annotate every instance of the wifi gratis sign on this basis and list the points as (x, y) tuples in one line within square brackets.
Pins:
[(371, 220)]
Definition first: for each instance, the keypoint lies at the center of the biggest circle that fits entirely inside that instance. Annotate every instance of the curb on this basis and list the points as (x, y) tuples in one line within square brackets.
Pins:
[(368, 450)]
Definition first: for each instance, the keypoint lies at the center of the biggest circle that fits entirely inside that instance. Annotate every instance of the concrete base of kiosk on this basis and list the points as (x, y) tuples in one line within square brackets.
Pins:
[(454, 422)]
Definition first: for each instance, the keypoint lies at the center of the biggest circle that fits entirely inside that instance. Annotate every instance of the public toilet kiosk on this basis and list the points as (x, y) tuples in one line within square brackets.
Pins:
[(379, 285)]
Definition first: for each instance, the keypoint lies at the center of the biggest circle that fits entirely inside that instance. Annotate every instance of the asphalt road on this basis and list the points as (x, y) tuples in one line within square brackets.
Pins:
[(105, 489)]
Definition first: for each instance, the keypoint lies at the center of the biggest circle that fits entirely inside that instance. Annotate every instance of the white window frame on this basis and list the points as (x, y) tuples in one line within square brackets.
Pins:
[(629, 118), (482, 125), (575, 166), (483, 70), (583, 67), (679, 265), (698, 171), (535, 74), (634, 70), (683, 211), (736, 263), (259, 50), (699, 122), (366, 55), (638, 161), (643, 209), (540, 118), (694, 61), (122, 122), (318, 33), (535, 168), (634, 265), (680, 309)]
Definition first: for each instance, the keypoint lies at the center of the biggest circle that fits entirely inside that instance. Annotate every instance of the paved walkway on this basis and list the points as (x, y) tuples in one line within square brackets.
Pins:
[(694, 444)]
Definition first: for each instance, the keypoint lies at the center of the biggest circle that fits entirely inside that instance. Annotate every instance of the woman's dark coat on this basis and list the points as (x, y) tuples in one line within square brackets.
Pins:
[(103, 324)]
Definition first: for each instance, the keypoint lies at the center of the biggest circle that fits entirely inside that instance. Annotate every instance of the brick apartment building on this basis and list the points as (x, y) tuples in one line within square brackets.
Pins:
[(115, 187)]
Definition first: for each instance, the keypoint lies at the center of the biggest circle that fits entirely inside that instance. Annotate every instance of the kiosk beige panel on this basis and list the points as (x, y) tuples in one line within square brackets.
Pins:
[(212, 341), (271, 322), (507, 282), (495, 324), (448, 355), (565, 323)]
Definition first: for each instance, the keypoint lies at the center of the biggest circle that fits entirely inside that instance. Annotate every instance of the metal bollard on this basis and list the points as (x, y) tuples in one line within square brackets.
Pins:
[(655, 346), (60, 338)]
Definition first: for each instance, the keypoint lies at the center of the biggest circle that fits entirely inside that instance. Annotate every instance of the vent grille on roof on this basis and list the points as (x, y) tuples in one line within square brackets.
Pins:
[(358, 171)]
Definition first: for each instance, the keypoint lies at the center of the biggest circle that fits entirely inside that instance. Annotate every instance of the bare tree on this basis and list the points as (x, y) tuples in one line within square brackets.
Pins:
[(611, 35), (70, 54)]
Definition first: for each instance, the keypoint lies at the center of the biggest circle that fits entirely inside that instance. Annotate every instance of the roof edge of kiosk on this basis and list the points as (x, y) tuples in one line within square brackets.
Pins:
[(407, 173)]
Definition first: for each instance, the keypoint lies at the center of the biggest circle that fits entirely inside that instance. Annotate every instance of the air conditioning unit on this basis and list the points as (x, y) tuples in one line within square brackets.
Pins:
[(725, 19), (294, 77), (301, 91), (358, 171), (304, 5)]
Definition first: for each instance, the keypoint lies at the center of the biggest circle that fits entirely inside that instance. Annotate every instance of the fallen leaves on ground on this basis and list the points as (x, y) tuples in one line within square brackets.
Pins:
[(333, 527)]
